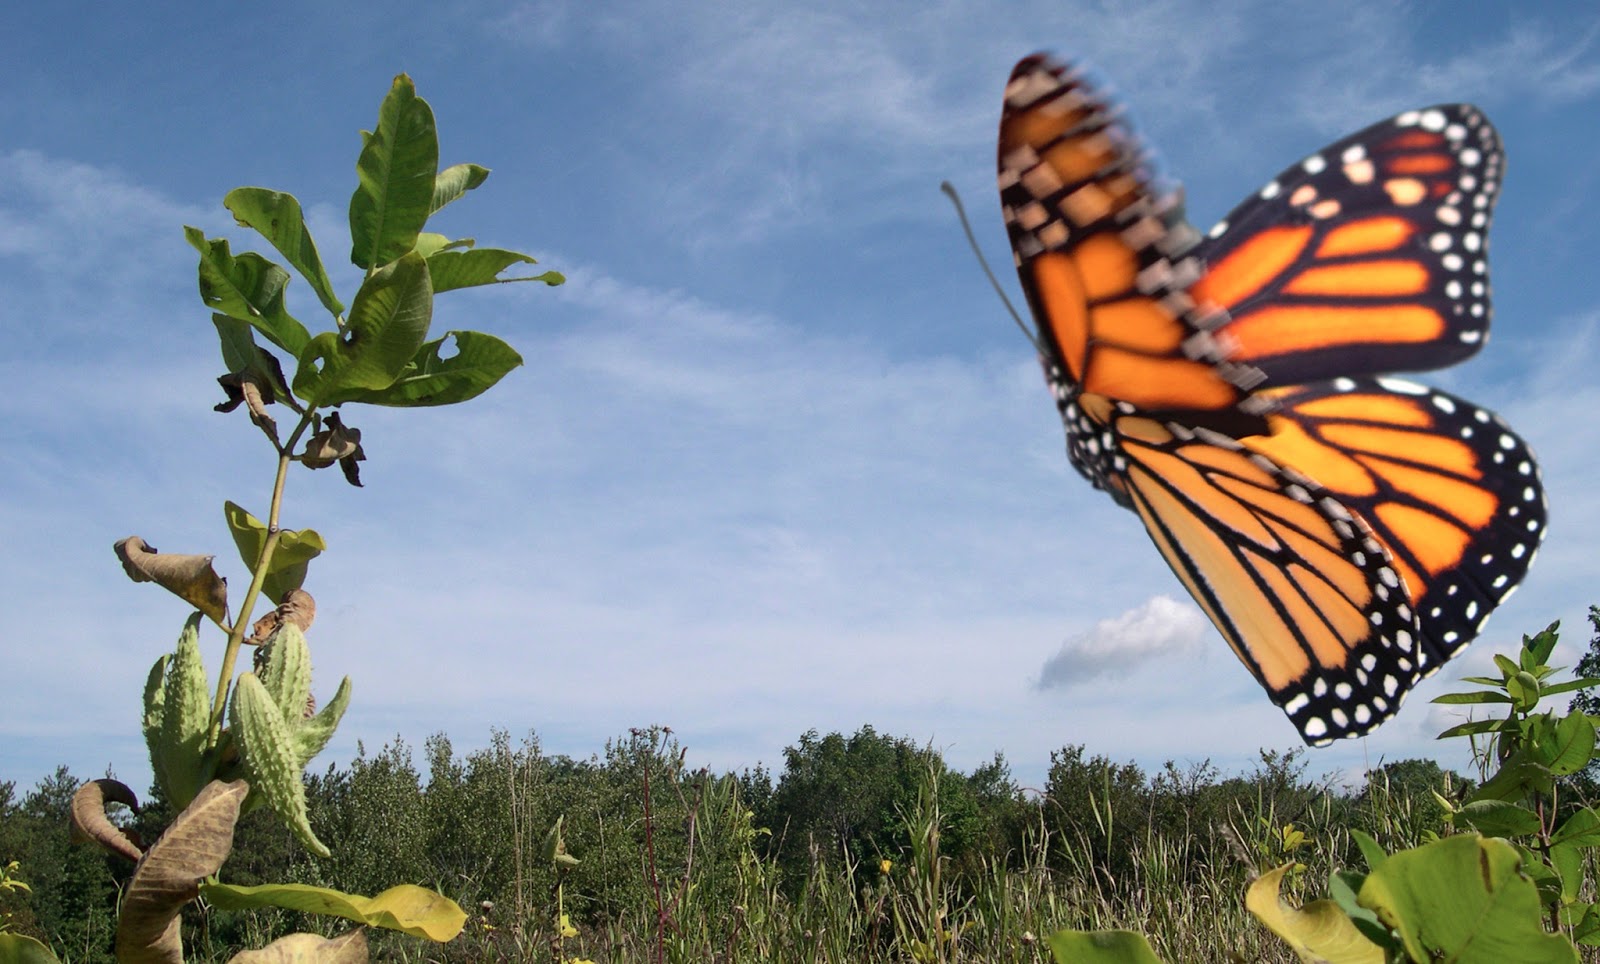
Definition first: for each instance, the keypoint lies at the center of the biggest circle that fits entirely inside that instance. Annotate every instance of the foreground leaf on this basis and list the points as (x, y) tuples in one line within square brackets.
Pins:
[(17, 949), (1101, 947), (407, 908), (169, 875), (1319, 932), (1464, 900)]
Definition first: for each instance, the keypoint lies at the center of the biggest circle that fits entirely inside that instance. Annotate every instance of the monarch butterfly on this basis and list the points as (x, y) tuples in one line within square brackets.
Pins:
[(1347, 532)]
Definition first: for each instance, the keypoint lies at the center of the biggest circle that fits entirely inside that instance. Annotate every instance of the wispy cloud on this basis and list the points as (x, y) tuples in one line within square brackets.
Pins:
[(1114, 647)]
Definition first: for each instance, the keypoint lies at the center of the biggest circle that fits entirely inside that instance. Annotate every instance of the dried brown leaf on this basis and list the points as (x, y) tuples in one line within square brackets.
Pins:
[(89, 821), (348, 948), (336, 442), (169, 874), (254, 392), (190, 578), (297, 607)]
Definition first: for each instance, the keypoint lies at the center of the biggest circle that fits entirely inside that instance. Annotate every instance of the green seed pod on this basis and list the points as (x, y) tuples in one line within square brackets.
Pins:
[(155, 706), (270, 758), (287, 673), (185, 718), (313, 734), (155, 700)]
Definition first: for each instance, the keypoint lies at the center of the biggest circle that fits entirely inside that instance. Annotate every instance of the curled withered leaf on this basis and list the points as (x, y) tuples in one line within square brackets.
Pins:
[(169, 874), (254, 392), (336, 442), (190, 578), (347, 948), (89, 822), (297, 607)]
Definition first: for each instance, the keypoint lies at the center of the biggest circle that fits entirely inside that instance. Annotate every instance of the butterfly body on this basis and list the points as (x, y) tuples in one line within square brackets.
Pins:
[(1345, 531)]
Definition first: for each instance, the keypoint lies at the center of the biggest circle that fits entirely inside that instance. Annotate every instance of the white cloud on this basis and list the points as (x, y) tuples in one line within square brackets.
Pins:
[(1157, 630)]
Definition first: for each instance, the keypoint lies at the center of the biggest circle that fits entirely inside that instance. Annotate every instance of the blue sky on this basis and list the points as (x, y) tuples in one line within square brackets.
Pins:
[(777, 459)]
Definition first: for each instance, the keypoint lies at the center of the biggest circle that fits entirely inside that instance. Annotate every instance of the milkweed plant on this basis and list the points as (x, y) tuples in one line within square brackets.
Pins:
[(221, 746)]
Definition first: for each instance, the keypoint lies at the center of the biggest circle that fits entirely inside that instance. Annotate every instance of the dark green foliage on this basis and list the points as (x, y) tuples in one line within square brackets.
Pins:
[(758, 864), (1585, 700), (843, 798), (73, 898)]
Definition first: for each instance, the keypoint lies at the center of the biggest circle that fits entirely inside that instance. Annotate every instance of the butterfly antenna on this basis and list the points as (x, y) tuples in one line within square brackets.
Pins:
[(961, 212)]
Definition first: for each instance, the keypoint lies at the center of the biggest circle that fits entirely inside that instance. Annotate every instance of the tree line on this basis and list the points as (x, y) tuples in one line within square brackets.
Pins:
[(477, 828)]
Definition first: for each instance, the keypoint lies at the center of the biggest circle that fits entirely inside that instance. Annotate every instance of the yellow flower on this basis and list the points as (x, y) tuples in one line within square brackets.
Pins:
[(885, 865), (567, 930)]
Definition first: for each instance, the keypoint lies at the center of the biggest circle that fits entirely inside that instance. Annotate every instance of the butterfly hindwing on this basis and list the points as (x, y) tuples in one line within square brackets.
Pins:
[(1452, 492), (1295, 581)]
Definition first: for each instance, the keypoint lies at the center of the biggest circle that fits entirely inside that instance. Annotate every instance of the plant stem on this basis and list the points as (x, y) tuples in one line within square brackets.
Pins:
[(258, 577)]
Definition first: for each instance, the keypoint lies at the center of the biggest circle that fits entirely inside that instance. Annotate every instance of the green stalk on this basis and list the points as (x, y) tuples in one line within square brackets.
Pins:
[(236, 633)]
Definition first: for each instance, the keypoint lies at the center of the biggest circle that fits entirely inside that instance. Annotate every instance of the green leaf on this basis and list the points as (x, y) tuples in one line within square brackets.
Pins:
[(290, 561), (1371, 852), (407, 908), (241, 353), (479, 362), (396, 172), (1581, 829), (428, 243), (249, 288), (1588, 682), (452, 269), (1586, 926), (1101, 947), (1477, 696), (1476, 726), (1542, 645), (277, 217), (18, 949), (1319, 931), (388, 323), (1499, 818), (1516, 777), (455, 181), (1463, 899), (1572, 746), (1343, 885), (1523, 689), (1567, 860)]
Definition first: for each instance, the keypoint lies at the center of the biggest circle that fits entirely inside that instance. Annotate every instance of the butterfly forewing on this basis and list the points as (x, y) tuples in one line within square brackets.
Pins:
[(1368, 257), (1103, 256)]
